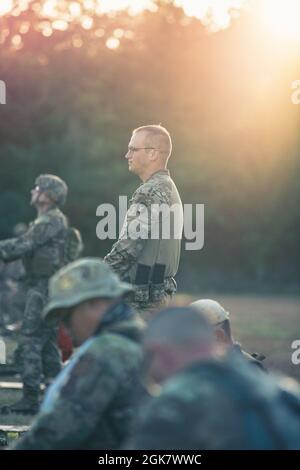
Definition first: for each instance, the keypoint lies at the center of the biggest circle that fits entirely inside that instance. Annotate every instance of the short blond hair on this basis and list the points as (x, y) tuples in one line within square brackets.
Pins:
[(157, 137)]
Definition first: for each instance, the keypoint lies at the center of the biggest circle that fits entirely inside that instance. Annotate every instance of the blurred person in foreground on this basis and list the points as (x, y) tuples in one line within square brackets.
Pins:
[(204, 399), (90, 404)]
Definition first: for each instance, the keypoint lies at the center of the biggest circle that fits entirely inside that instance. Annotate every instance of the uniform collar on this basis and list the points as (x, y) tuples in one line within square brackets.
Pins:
[(159, 172)]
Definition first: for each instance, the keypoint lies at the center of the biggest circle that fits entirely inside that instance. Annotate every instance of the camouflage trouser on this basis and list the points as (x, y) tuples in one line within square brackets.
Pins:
[(37, 343), (3, 309), (148, 309), (12, 302)]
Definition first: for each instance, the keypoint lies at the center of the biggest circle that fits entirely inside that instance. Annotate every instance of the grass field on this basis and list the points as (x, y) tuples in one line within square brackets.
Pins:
[(267, 325)]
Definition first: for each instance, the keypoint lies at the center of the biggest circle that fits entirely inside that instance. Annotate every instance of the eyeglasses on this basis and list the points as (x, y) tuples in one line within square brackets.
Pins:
[(135, 149)]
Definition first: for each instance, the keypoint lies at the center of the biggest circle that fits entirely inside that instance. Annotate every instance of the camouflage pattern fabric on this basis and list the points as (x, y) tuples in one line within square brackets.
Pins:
[(38, 352), (41, 250), (41, 247), (54, 187), (146, 310), (130, 253), (13, 292), (90, 404), (215, 405)]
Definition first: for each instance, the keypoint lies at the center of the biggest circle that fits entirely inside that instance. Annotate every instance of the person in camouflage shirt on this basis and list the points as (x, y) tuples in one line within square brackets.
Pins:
[(149, 262), (12, 291), (41, 249), (90, 404)]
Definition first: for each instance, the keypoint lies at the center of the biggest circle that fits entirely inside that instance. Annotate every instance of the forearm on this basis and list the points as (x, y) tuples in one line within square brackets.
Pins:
[(14, 248), (123, 255)]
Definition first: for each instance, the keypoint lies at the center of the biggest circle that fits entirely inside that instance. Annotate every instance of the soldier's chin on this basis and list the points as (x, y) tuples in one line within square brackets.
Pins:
[(131, 169)]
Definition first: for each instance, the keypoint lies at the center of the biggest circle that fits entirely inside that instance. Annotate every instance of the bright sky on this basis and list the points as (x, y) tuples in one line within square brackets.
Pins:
[(217, 9), (280, 17)]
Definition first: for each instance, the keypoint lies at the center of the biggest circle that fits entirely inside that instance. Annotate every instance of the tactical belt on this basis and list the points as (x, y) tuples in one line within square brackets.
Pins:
[(150, 284)]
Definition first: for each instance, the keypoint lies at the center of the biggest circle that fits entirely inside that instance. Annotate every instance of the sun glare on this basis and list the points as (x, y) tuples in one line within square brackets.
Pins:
[(213, 13), (279, 17), (134, 6), (5, 6), (282, 18)]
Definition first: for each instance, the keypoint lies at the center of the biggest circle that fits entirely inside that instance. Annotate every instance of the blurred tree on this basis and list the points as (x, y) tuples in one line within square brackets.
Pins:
[(75, 94)]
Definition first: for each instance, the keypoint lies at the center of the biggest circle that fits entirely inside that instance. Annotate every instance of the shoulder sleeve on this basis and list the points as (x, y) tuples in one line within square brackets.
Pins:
[(189, 418), (134, 233), (91, 386)]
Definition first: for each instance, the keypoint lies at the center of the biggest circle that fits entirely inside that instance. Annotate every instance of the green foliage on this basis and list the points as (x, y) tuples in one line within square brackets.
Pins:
[(70, 110)]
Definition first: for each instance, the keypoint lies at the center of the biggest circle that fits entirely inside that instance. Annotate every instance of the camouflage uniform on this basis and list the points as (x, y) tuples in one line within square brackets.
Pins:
[(221, 405), (90, 404), (41, 250), (12, 290), (2, 294), (13, 299), (149, 264)]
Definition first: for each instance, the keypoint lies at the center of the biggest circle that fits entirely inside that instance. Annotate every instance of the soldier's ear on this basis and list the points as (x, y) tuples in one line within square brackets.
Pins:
[(220, 335), (154, 155)]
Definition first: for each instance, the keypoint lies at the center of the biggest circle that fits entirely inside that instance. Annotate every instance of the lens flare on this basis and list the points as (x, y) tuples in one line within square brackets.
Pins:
[(5, 6), (282, 18)]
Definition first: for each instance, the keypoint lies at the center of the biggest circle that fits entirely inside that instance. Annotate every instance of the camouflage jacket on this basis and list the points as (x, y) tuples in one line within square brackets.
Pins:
[(41, 248), (147, 262), (90, 404), (221, 405)]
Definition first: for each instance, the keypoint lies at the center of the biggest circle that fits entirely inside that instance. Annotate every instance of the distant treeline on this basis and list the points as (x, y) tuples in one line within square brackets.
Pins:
[(225, 97)]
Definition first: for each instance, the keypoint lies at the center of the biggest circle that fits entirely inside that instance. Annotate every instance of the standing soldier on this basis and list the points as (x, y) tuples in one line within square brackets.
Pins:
[(41, 249), (149, 263)]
